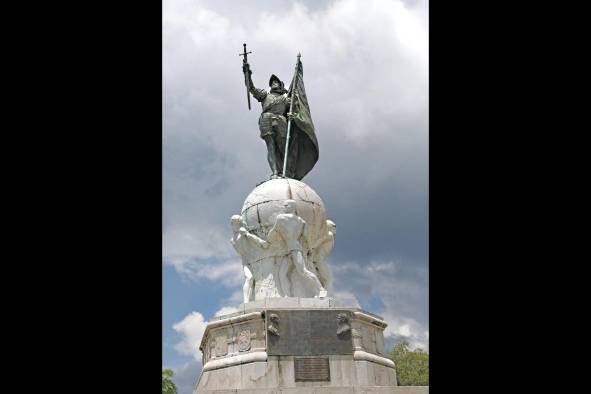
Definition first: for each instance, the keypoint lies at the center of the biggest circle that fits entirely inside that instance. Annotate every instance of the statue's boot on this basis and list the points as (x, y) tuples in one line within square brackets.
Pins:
[(272, 156)]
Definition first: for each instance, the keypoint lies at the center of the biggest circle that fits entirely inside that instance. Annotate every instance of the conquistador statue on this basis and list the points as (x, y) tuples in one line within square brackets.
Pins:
[(285, 123), (273, 123)]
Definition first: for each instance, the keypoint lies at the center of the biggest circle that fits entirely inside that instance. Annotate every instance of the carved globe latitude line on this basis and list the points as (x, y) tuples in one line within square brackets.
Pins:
[(258, 221)]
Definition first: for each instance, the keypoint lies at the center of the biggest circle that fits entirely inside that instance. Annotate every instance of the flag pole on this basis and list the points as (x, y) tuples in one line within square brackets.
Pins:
[(289, 117)]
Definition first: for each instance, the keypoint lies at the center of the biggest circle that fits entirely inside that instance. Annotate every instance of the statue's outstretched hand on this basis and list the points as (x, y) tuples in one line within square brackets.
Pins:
[(246, 68)]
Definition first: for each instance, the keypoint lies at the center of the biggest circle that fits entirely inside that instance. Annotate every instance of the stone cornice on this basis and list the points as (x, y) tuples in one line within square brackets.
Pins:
[(235, 360), (360, 355)]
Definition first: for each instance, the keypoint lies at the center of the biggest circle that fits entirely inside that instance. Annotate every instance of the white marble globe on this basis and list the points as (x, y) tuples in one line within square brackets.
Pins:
[(259, 214), (265, 202)]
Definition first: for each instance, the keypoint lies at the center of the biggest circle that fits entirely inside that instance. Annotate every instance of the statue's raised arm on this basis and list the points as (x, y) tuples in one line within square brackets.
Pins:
[(258, 94)]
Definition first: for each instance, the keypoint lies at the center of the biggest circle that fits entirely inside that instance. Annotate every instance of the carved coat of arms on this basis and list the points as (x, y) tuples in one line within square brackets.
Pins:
[(244, 340)]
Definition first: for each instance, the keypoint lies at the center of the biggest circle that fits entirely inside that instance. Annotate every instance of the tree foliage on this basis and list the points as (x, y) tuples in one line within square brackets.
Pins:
[(412, 367), (168, 386)]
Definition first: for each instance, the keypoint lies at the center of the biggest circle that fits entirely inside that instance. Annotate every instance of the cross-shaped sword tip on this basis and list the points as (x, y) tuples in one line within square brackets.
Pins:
[(244, 53)]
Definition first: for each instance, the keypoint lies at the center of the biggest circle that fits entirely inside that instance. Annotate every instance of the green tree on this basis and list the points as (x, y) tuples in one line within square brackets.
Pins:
[(167, 386), (412, 367)]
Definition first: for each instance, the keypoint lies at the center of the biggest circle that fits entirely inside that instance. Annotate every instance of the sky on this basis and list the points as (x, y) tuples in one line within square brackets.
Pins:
[(366, 76)]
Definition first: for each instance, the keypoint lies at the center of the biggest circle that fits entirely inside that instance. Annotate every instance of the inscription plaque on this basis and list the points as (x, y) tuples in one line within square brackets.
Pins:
[(308, 333), (316, 369)]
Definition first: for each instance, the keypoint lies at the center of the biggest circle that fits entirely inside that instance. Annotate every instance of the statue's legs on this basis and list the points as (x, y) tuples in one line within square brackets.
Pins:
[(272, 154), (300, 265), (280, 150), (280, 132), (248, 287), (291, 156), (282, 274), (324, 274)]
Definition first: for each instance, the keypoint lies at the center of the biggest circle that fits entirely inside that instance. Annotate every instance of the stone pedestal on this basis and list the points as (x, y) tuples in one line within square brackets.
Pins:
[(287, 338), (297, 345)]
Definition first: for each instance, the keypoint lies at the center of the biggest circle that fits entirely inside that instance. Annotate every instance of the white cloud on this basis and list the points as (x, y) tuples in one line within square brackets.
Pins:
[(344, 28), (205, 27), (225, 310), (197, 242), (347, 298), (191, 330), (407, 329), (225, 272)]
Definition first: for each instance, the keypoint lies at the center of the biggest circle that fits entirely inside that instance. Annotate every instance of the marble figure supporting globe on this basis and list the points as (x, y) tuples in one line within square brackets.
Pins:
[(283, 237)]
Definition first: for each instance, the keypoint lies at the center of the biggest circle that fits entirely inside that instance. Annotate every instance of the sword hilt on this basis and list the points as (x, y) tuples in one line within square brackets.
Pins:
[(245, 54)]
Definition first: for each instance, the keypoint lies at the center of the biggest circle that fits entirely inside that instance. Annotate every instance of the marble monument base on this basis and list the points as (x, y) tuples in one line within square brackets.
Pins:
[(297, 345)]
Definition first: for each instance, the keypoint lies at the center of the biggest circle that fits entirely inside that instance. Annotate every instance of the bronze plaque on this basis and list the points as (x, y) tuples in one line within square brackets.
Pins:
[(308, 333), (311, 369)]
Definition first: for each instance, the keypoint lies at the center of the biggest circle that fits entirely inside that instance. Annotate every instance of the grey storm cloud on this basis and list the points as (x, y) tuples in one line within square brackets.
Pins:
[(366, 76)]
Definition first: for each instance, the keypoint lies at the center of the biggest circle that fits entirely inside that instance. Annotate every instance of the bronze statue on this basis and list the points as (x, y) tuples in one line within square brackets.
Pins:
[(285, 123)]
